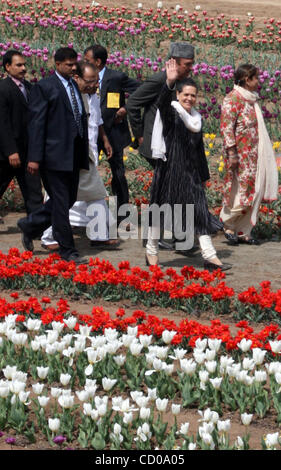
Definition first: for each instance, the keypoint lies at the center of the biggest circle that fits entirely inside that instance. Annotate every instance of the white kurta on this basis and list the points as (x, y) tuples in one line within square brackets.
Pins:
[(97, 208)]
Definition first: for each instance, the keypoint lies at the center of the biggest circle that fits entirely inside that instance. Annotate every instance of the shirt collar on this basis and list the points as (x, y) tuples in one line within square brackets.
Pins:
[(16, 80), (62, 79), (101, 74)]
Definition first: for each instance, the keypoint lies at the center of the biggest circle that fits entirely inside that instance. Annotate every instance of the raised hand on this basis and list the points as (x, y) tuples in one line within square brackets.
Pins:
[(171, 71)]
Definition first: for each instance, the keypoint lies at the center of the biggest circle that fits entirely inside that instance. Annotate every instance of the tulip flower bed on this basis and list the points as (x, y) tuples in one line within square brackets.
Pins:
[(190, 291), (95, 382)]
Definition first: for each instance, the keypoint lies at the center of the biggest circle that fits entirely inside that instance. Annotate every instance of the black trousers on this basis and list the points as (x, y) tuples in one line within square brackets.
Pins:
[(61, 187), (30, 186), (119, 183)]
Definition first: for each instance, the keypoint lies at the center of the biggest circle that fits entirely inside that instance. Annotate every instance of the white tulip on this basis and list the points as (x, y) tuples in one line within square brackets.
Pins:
[(117, 429), (94, 415), (180, 353), (42, 372), (145, 340), (273, 367), (192, 446), (203, 375), (246, 418), (175, 409), (35, 345), (101, 401), (139, 5), (80, 345), (112, 347), (244, 344), (102, 409), (142, 401), (214, 344), (239, 444), (127, 340), (23, 397), (52, 336), (135, 394), (37, 388), (108, 383), (168, 368), (216, 382), (161, 405), (184, 429), (188, 366), (136, 349), (70, 322), (260, 376), (87, 409), (54, 424), (33, 324), (128, 417), (4, 390), (85, 330), (9, 372), (210, 354), (82, 395), (275, 346), (43, 401), (167, 336), (65, 379), (144, 413), (272, 440), (211, 366), (199, 356), (198, 7), (208, 439), (248, 363), (158, 364), (56, 392), (120, 360), (110, 334), (17, 386), (152, 393), (132, 330), (159, 5), (208, 416), (19, 375), (177, 7), (161, 352), (57, 326), (19, 339), (223, 426), (225, 361), (66, 401), (258, 355), (277, 377)]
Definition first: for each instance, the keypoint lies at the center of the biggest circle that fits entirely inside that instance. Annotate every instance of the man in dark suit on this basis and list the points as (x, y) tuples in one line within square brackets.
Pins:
[(14, 95), (58, 144), (113, 85), (142, 105)]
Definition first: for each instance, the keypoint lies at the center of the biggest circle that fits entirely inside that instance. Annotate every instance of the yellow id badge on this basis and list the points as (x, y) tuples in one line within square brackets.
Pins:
[(113, 100)]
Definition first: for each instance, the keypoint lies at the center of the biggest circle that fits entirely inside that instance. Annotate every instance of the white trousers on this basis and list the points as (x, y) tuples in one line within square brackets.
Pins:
[(78, 218), (207, 248), (236, 217)]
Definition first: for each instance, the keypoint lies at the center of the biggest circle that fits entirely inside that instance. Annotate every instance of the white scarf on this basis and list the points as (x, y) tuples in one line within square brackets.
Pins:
[(266, 184), (192, 121)]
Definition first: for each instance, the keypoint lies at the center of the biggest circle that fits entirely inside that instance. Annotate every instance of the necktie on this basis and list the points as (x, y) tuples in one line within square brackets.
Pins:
[(77, 115), (23, 90)]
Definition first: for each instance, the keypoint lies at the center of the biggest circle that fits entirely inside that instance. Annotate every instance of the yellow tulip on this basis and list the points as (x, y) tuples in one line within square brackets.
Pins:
[(211, 145), (213, 136), (207, 153)]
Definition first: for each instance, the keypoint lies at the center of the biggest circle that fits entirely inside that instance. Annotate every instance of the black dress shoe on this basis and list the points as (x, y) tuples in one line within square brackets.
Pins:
[(76, 258), (248, 241), (231, 238), (26, 240), (212, 266), (163, 245)]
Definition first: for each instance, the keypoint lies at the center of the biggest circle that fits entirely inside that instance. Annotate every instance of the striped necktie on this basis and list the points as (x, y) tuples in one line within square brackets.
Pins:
[(77, 115)]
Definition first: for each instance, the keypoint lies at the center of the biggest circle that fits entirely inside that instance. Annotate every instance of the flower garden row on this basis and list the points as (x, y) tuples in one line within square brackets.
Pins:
[(56, 21), (191, 290), (88, 381)]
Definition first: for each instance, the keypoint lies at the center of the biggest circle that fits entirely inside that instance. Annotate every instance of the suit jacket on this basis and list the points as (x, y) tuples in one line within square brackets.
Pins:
[(118, 83), (13, 119), (145, 97), (52, 129)]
